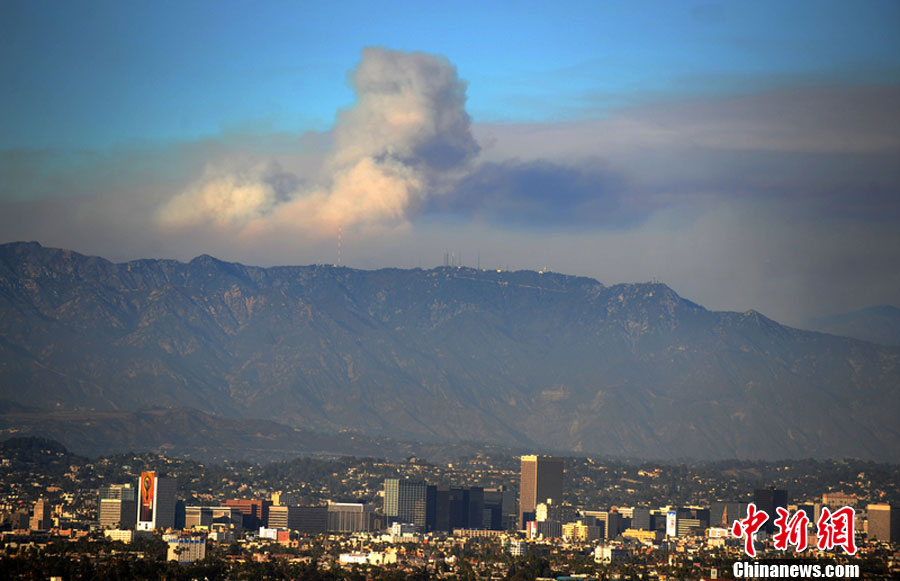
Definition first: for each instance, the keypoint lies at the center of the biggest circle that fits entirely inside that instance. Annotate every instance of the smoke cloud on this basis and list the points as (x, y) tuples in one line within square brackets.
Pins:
[(230, 198), (783, 200), (406, 134)]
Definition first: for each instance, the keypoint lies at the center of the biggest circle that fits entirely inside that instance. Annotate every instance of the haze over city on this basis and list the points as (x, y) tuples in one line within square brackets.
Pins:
[(745, 153)]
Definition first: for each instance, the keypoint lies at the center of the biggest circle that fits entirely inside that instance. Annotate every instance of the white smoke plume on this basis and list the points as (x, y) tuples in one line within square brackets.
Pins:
[(407, 130)]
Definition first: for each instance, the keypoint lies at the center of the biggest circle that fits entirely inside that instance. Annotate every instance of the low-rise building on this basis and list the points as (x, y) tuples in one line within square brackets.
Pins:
[(185, 549)]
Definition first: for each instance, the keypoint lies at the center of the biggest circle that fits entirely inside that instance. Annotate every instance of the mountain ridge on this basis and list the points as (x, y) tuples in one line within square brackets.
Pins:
[(190, 433), (878, 324), (524, 357)]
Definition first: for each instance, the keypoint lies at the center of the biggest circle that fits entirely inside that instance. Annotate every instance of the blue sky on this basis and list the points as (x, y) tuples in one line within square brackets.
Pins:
[(746, 153), (94, 75)]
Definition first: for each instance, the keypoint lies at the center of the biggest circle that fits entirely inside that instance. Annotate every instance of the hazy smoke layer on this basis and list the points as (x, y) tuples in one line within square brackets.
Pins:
[(407, 128)]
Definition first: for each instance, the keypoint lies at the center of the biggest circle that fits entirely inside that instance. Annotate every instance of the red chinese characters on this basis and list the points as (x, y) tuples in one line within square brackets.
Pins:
[(836, 529), (833, 529), (748, 527), (791, 530)]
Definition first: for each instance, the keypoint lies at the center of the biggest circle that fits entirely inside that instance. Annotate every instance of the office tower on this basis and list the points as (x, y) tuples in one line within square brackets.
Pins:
[(724, 513), (812, 511), (198, 517), (285, 499), (615, 524), (541, 479), (582, 532), (20, 520), (352, 517), (214, 517), (280, 517), (688, 520), (408, 501), (611, 523), (627, 512), (442, 509), (180, 508), (256, 512), (558, 512), (549, 529), (40, 517), (475, 509), (768, 499), (156, 502), (311, 519), (303, 519), (499, 509), (460, 508), (640, 519), (119, 492), (457, 510), (884, 523), (117, 506)]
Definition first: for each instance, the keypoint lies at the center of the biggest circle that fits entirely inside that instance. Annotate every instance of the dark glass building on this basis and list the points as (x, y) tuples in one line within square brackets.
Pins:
[(768, 499)]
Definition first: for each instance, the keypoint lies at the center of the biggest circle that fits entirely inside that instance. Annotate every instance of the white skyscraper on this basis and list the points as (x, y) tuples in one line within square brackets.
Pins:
[(156, 506)]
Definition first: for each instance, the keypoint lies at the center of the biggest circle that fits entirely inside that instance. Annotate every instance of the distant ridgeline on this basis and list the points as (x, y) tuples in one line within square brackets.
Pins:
[(449, 354), (877, 324)]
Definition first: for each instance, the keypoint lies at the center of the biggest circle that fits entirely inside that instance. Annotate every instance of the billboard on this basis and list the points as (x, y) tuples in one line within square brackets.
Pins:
[(672, 524), (148, 488)]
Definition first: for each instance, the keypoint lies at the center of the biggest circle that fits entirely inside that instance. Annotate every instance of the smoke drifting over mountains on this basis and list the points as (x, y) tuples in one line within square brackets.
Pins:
[(783, 200), (407, 129)]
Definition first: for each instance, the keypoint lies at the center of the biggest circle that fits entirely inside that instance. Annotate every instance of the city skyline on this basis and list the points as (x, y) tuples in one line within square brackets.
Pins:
[(667, 510)]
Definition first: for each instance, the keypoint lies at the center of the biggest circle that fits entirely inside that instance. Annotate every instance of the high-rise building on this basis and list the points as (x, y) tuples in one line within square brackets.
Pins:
[(256, 512), (687, 520), (280, 517), (464, 508), (611, 523), (452, 509), (156, 502), (40, 517), (119, 492), (582, 532), (117, 506), (285, 499), (442, 509), (884, 523), (499, 509), (641, 519), (303, 519), (214, 517), (541, 479), (408, 501), (768, 499), (19, 520), (812, 511), (312, 519), (352, 517), (198, 517), (475, 509), (724, 513)]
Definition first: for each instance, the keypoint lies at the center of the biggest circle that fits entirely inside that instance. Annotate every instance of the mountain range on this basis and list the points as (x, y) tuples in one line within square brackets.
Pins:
[(527, 359), (879, 324)]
